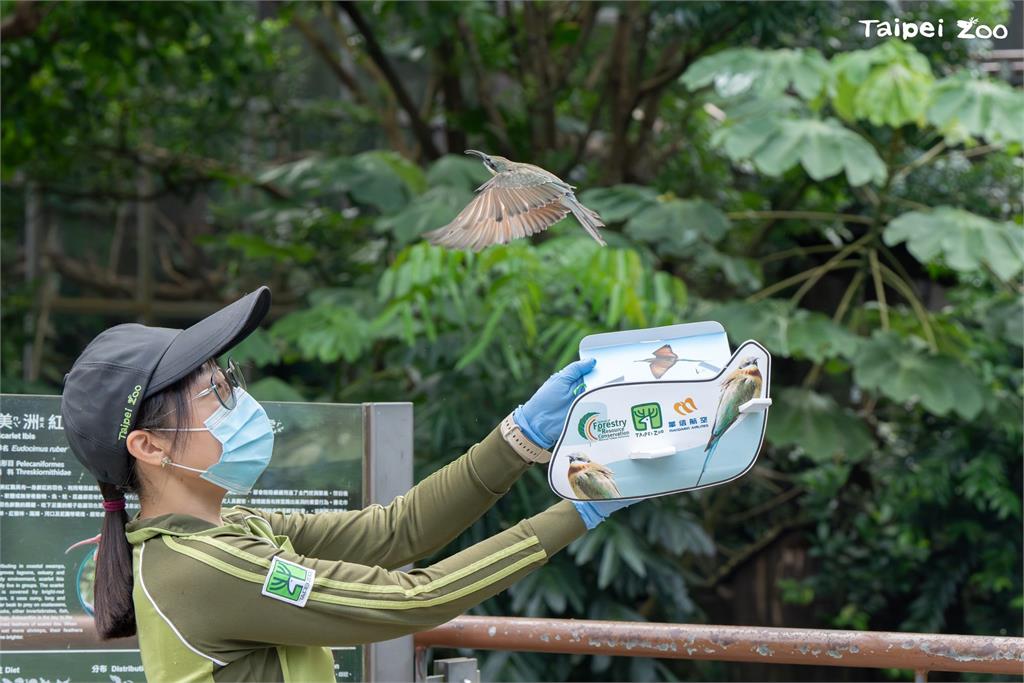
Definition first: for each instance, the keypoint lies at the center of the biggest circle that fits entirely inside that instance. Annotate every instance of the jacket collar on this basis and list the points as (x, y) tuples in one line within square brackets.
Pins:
[(141, 529)]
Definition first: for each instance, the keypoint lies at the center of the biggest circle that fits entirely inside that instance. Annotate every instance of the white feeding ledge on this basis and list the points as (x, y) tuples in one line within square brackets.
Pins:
[(755, 405), (653, 453)]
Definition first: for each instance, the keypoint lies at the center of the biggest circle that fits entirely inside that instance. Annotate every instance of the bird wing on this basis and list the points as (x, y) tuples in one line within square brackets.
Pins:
[(660, 366), (510, 205), (737, 390), (665, 352), (597, 482)]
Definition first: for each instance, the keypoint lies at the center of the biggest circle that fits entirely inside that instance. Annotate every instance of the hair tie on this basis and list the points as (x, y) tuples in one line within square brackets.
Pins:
[(113, 505)]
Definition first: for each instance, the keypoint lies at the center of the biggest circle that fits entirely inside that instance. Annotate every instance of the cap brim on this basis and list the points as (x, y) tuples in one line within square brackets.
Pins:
[(209, 338)]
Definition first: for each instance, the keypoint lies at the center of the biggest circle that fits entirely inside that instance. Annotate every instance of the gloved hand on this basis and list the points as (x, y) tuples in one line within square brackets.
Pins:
[(541, 418), (594, 512)]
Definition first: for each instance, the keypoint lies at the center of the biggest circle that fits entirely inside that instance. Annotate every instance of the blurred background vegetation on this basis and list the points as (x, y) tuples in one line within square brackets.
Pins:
[(852, 203)]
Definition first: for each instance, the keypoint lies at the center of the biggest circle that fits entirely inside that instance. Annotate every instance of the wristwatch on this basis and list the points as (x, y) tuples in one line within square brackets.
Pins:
[(527, 450)]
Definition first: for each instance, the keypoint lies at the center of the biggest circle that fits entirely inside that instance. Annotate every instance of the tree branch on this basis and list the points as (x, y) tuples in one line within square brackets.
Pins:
[(483, 87), (588, 17), (327, 54), (389, 118), (27, 17), (451, 92), (419, 128)]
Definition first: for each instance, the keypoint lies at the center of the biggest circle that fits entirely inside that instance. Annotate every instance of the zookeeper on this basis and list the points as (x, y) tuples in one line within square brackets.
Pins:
[(243, 594)]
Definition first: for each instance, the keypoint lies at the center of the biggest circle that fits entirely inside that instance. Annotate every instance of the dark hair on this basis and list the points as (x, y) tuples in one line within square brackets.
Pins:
[(114, 611)]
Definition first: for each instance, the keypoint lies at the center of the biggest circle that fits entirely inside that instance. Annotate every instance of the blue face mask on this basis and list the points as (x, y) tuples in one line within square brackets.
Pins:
[(247, 438)]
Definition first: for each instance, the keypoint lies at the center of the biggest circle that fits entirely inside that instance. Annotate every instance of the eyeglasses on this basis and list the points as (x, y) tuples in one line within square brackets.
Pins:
[(232, 376)]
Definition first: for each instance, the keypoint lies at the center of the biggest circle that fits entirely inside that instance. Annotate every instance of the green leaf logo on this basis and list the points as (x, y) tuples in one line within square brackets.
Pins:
[(646, 416), (289, 582)]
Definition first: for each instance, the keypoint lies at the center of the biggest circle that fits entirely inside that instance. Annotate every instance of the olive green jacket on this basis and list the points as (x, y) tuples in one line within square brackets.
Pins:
[(260, 597)]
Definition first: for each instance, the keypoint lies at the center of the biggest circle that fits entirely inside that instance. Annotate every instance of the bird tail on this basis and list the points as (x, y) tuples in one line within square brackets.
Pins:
[(588, 218), (712, 441), (710, 450)]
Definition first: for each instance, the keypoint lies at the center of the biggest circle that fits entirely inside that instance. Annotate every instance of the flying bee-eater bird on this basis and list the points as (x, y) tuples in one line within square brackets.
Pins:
[(518, 200), (664, 358), (591, 480), (739, 386)]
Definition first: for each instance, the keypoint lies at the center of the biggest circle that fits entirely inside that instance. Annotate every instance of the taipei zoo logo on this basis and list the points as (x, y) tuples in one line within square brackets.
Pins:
[(288, 582), (646, 416), (966, 29)]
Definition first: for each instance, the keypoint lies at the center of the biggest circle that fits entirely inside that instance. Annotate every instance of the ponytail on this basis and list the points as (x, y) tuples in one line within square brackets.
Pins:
[(112, 600), (115, 613)]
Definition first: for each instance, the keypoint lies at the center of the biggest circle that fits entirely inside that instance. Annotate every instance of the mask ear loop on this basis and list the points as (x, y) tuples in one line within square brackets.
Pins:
[(165, 461)]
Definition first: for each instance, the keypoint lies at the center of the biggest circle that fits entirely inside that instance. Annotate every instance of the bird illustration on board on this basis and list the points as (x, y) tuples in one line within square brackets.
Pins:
[(518, 200), (591, 480), (664, 358), (738, 387)]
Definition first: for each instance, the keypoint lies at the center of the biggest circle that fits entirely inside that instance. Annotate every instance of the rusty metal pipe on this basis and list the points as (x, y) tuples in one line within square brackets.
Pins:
[(867, 649)]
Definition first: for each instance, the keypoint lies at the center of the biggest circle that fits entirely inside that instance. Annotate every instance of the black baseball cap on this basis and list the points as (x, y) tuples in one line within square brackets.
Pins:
[(128, 363)]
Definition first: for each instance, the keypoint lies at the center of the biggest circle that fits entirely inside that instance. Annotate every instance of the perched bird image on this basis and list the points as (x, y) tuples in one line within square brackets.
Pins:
[(591, 480), (518, 201), (741, 385)]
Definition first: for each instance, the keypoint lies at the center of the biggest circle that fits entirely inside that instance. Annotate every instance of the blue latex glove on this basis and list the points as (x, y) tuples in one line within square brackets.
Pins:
[(541, 418), (594, 512)]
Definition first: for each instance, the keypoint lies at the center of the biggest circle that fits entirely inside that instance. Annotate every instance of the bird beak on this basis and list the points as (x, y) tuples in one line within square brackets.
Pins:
[(86, 541), (476, 153)]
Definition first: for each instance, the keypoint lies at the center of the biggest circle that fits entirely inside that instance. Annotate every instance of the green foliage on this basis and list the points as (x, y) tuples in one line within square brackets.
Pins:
[(963, 106), (831, 202), (960, 240), (906, 373), (785, 330), (888, 85), (818, 425), (823, 147), (673, 227), (766, 73)]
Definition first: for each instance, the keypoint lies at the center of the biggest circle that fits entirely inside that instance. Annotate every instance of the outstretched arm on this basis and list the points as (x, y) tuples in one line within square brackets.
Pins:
[(287, 598), (414, 525)]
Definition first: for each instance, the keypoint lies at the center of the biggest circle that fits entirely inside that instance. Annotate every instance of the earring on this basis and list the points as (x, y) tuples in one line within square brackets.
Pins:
[(164, 462)]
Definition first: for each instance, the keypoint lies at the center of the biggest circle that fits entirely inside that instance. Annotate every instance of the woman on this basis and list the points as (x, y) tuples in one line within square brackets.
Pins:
[(248, 594)]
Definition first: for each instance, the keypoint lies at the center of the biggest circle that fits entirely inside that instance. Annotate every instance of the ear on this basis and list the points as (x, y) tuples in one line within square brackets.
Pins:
[(146, 447)]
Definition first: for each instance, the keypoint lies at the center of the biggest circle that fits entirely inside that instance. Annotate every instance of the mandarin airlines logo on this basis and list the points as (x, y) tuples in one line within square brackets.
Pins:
[(967, 29), (686, 406)]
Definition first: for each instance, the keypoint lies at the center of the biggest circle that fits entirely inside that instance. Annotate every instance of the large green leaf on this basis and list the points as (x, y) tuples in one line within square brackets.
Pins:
[(967, 105), (326, 333), (906, 372), (817, 424), (889, 85), (789, 332), (431, 210), (258, 348), (762, 72), (411, 174), (258, 247), (274, 389), (823, 147), (377, 179), (457, 171), (619, 202), (960, 239), (674, 226)]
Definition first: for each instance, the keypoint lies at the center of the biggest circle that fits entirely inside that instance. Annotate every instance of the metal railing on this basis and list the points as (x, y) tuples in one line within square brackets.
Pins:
[(920, 652)]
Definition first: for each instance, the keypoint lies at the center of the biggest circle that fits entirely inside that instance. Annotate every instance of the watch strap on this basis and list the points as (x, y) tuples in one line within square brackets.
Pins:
[(527, 449)]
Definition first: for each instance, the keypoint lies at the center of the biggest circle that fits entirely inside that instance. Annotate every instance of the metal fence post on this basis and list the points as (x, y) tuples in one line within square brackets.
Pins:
[(455, 670), (387, 472)]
